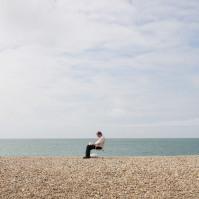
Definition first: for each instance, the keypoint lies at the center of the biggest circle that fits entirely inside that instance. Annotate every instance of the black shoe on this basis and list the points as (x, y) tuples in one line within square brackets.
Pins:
[(85, 157)]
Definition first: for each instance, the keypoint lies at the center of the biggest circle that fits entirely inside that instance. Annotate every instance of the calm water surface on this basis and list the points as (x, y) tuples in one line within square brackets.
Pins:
[(113, 147)]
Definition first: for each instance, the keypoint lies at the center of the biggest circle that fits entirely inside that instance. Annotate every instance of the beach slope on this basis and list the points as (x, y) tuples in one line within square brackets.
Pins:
[(108, 177)]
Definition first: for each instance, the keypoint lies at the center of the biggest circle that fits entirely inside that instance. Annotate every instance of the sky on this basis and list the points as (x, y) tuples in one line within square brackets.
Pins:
[(129, 68)]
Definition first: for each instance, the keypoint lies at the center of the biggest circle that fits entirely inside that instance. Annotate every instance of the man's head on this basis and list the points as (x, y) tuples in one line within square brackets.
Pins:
[(99, 134)]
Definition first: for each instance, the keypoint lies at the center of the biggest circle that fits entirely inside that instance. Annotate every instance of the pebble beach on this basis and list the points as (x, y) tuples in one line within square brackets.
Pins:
[(102, 177)]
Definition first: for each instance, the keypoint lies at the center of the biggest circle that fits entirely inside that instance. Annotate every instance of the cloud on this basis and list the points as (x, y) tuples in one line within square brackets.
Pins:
[(194, 79), (69, 68)]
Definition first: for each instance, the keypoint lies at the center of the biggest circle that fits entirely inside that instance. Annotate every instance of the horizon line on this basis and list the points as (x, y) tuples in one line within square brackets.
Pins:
[(36, 138)]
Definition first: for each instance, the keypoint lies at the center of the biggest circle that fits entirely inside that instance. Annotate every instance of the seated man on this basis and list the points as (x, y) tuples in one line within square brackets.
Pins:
[(98, 144)]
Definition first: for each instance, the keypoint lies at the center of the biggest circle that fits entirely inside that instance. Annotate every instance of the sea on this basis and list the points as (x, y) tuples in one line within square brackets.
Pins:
[(113, 147)]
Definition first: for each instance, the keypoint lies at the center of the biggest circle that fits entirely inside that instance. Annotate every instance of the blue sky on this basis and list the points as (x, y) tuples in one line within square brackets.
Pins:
[(127, 68)]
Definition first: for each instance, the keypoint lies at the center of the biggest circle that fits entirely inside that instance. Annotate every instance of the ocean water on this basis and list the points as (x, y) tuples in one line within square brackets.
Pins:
[(113, 147)]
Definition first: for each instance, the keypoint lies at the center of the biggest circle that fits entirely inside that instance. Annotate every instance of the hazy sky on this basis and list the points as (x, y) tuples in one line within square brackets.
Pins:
[(129, 68)]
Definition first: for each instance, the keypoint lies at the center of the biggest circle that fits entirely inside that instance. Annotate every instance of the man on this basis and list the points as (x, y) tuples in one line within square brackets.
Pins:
[(98, 144)]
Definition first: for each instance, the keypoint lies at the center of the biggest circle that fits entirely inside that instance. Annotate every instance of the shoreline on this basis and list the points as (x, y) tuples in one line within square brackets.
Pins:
[(102, 177), (100, 156)]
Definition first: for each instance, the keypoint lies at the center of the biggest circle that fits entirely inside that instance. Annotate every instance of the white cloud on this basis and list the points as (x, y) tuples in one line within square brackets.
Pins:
[(79, 66), (195, 81)]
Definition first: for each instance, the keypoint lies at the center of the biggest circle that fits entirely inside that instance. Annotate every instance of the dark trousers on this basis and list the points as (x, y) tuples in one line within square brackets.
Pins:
[(90, 147)]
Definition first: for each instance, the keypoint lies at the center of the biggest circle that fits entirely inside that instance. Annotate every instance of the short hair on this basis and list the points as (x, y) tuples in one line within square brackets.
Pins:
[(99, 133)]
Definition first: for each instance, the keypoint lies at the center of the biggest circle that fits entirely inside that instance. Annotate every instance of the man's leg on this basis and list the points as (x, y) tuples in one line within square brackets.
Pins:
[(88, 149), (98, 147)]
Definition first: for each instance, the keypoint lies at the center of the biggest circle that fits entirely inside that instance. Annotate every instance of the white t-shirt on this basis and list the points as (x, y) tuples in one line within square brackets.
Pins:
[(100, 142)]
